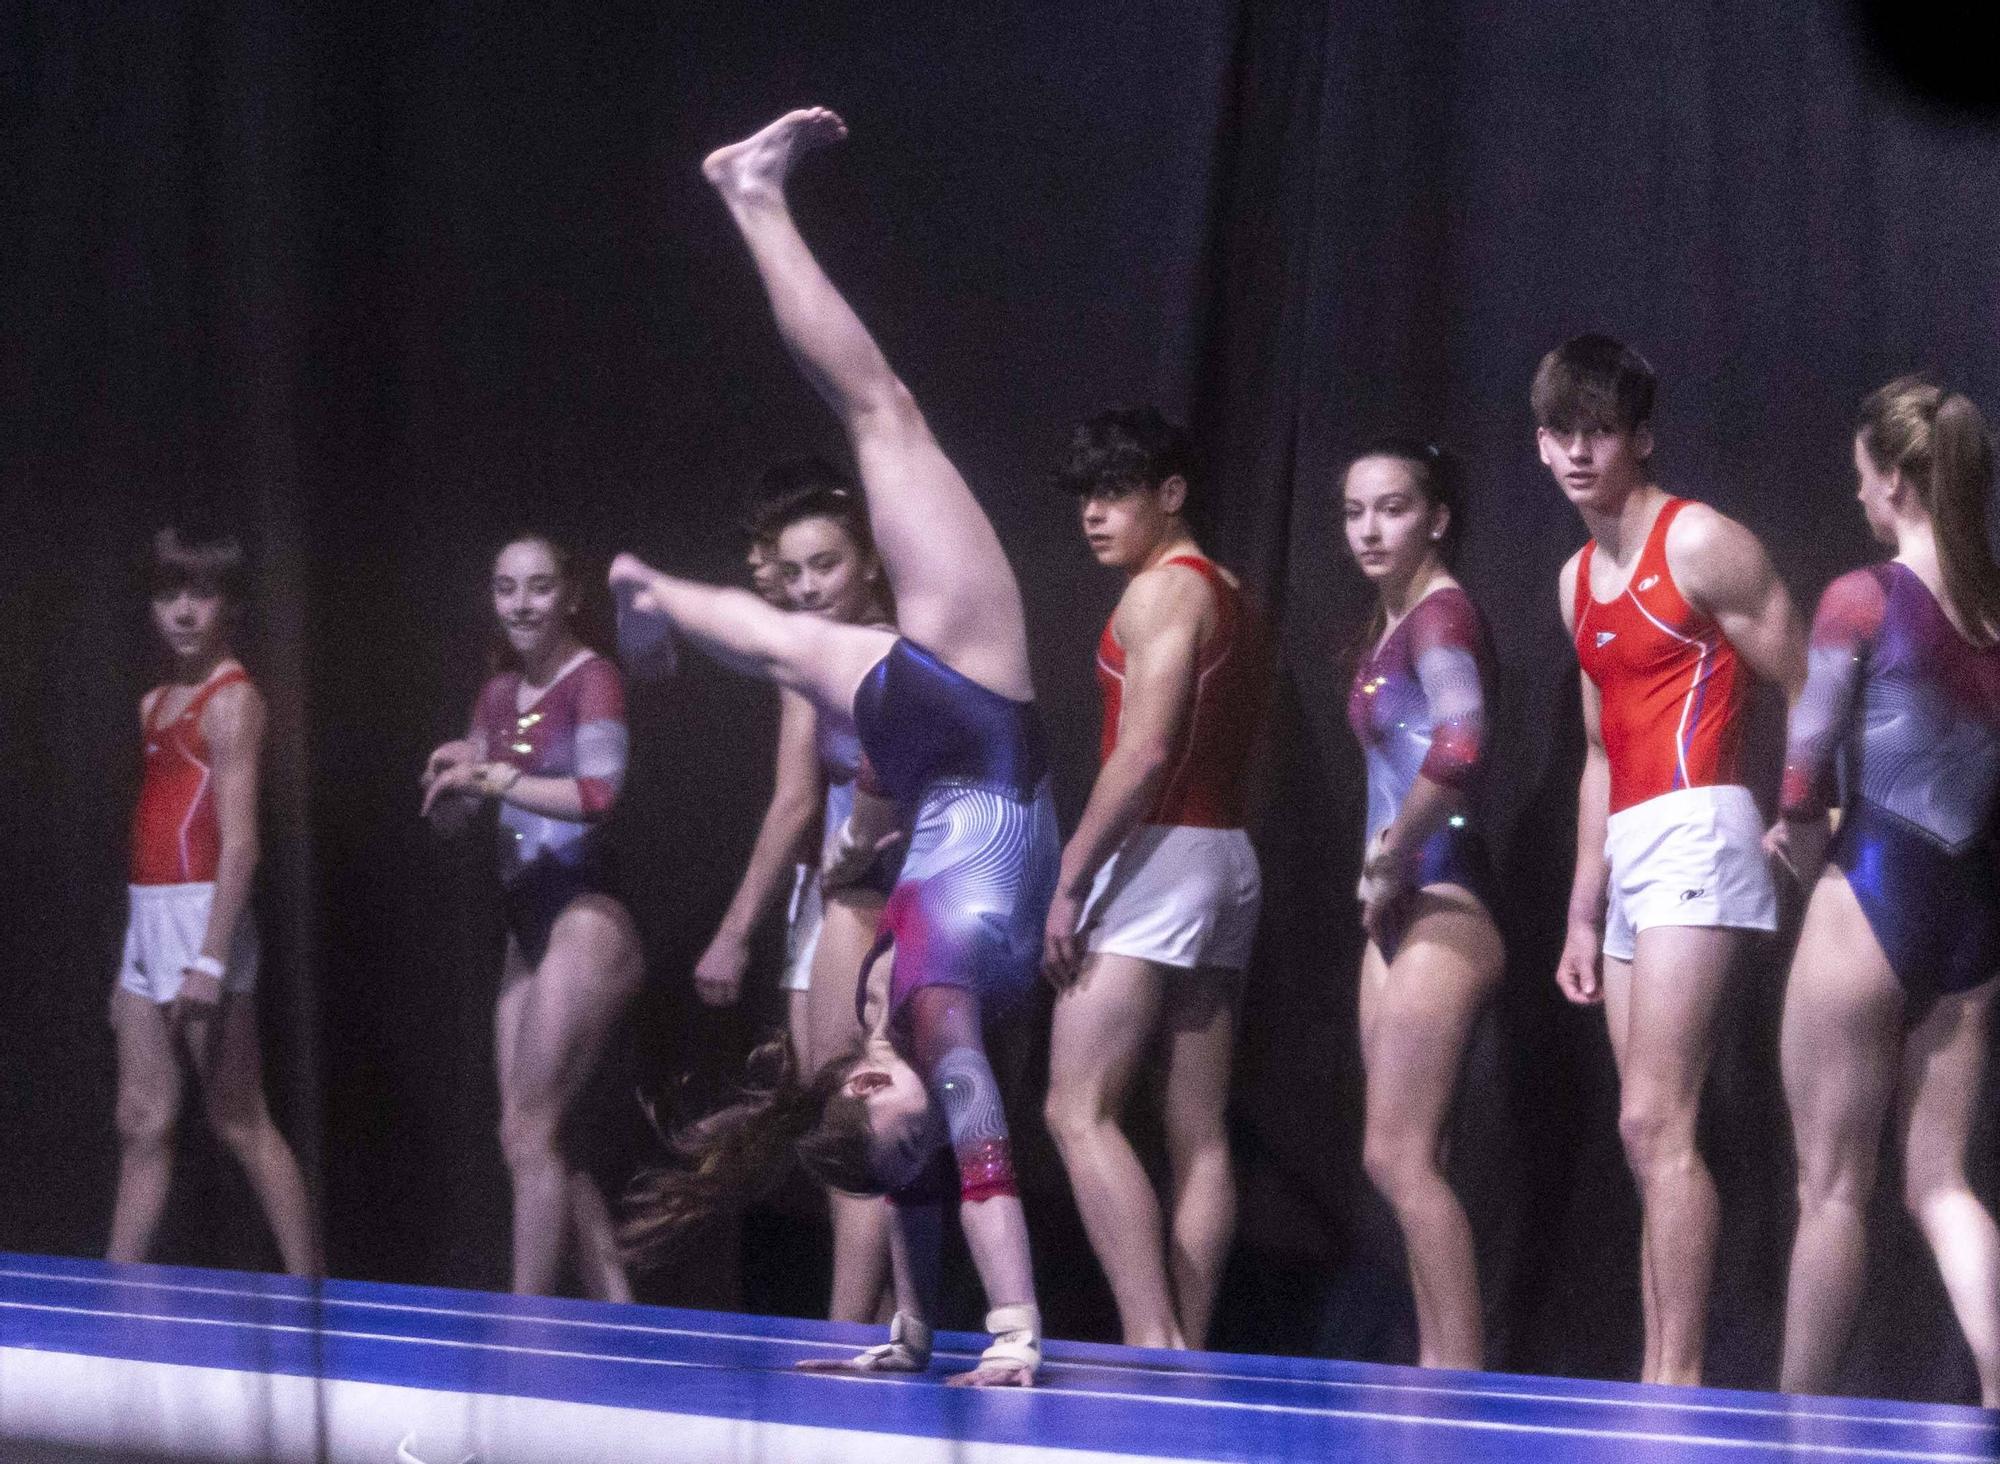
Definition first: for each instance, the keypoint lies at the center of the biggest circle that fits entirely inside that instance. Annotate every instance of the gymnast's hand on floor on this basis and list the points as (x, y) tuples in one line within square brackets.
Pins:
[(874, 1360), (896, 1357), (997, 1374), (908, 1350)]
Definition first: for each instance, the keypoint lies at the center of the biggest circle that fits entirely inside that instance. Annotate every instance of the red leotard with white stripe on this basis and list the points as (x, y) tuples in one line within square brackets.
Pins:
[(1670, 683), (1205, 780), (175, 837)]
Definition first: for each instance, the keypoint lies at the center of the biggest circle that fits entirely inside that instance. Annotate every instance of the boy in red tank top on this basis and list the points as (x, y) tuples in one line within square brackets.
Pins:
[(1672, 607), (1157, 898), (184, 996)]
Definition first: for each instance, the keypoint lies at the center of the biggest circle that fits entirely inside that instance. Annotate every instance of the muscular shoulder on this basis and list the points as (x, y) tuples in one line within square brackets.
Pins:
[(234, 715), (1715, 560), (1162, 600)]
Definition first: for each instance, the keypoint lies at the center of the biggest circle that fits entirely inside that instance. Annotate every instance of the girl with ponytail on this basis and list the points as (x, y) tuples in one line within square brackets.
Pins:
[(1891, 989), (1417, 705)]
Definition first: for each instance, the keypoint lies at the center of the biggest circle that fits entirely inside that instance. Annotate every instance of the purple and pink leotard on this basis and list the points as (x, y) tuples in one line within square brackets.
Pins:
[(1907, 712), (1418, 708)]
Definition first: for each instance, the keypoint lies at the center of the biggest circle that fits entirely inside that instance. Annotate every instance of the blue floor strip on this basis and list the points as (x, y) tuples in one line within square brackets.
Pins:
[(1093, 1398)]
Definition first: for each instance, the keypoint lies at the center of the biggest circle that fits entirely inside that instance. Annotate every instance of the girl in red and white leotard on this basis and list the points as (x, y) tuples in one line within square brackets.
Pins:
[(548, 746), (184, 996)]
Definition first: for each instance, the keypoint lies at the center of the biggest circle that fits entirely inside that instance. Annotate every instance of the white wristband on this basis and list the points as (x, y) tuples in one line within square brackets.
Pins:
[(907, 1350), (1017, 1335), (208, 966)]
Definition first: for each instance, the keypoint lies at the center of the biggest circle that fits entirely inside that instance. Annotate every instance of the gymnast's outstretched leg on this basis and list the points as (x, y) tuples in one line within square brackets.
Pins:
[(955, 592)]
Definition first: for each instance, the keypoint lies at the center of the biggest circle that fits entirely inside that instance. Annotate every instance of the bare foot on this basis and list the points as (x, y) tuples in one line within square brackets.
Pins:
[(755, 168)]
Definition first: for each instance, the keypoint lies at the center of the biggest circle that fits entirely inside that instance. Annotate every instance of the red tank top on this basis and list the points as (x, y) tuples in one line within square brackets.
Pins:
[(1670, 684), (175, 837), (1205, 786)]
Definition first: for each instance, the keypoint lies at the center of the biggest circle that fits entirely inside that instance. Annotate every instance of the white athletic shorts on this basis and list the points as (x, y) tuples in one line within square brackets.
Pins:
[(1691, 857), (802, 917), (1177, 896), (164, 932)]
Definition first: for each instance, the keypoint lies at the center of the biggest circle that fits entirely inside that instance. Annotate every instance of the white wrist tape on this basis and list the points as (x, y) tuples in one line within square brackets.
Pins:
[(1017, 1335), (208, 966), (907, 1350)]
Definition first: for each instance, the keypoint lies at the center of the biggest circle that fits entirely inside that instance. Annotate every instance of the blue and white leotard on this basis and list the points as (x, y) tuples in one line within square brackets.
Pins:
[(968, 766)]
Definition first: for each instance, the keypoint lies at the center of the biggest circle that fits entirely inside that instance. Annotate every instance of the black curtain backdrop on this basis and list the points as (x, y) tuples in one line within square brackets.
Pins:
[(383, 286)]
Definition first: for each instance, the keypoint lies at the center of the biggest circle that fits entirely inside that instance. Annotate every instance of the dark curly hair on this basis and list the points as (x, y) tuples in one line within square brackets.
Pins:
[(1123, 449)]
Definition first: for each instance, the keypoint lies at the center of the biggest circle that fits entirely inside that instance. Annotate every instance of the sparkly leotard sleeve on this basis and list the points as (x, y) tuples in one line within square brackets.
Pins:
[(1909, 710), (1843, 633), (965, 918)]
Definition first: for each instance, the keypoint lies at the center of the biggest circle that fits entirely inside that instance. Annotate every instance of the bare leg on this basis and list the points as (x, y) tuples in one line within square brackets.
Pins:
[(1421, 1021), (860, 1224), (1201, 1039), (234, 1097), (560, 1018), (1618, 1026), (1942, 1067), (955, 592), (1839, 1048), (1103, 1025), (598, 1263), (149, 1101), (822, 660), (1676, 987)]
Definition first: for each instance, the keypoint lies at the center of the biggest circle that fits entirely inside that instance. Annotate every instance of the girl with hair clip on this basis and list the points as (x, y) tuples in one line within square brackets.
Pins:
[(1418, 707), (185, 997), (817, 529), (1891, 987), (547, 747), (945, 714)]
